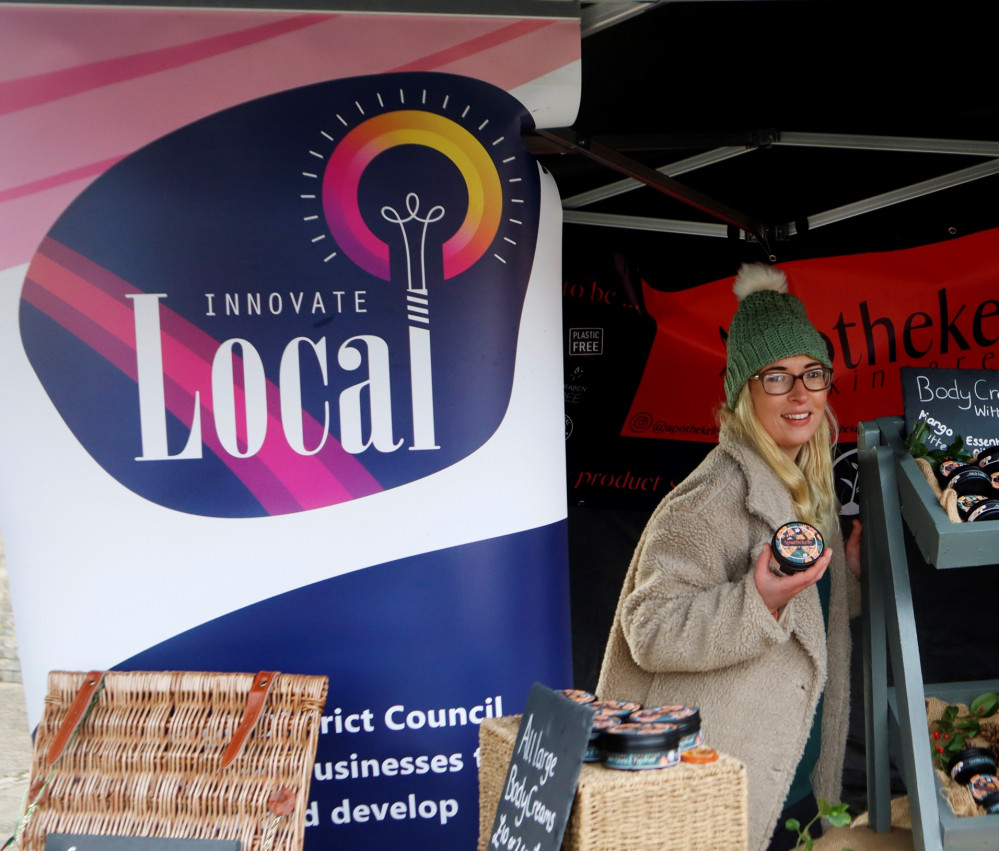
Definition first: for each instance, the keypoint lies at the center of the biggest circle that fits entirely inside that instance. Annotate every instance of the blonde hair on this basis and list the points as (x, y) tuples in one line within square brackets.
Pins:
[(808, 479)]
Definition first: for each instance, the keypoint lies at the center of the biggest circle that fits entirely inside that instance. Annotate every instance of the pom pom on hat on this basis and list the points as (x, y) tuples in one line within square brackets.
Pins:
[(769, 325), (754, 277)]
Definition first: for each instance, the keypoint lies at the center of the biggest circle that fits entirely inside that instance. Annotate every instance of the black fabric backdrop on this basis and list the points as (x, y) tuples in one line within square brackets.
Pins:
[(703, 73), (608, 506)]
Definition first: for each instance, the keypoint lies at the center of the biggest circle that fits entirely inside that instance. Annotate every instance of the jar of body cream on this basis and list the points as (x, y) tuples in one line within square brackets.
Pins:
[(987, 509), (621, 708), (969, 762), (601, 723), (987, 455), (945, 468), (968, 479), (992, 469), (634, 747), (796, 546), (686, 718), (577, 695)]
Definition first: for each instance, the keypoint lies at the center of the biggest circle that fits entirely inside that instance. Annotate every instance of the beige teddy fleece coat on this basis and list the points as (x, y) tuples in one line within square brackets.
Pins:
[(691, 628)]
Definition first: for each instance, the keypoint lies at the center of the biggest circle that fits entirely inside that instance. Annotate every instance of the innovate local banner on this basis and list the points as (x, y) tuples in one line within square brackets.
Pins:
[(279, 355)]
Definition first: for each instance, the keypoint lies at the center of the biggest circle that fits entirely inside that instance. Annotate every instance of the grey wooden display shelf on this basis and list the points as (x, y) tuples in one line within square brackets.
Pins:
[(891, 487), (942, 542)]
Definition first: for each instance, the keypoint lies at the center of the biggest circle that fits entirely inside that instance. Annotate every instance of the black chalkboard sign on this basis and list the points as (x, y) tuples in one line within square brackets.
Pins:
[(953, 402), (541, 780), (94, 842)]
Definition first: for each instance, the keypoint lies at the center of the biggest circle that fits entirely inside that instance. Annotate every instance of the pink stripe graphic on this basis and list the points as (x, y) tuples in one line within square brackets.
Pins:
[(64, 136), (32, 91), (473, 46), (532, 55), (344, 466), (280, 479), (256, 477), (54, 180)]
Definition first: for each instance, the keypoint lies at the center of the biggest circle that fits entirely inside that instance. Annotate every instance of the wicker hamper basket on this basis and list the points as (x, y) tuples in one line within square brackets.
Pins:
[(147, 759), (684, 808)]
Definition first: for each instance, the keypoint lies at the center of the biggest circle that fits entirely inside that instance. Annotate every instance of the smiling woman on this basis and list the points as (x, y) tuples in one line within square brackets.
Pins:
[(793, 430), (789, 399), (704, 620)]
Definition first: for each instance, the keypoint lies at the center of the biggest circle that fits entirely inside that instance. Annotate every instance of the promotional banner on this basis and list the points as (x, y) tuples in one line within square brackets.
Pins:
[(644, 367), (279, 361), (948, 318)]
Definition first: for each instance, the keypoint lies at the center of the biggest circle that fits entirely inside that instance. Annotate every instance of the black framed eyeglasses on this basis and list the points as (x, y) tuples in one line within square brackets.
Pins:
[(780, 383)]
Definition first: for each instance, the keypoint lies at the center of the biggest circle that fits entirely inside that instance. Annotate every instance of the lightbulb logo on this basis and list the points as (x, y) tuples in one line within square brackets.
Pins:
[(438, 228), (407, 127), (302, 300)]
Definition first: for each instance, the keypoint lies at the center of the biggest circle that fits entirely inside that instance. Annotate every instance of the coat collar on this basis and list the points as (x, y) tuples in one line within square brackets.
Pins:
[(766, 497)]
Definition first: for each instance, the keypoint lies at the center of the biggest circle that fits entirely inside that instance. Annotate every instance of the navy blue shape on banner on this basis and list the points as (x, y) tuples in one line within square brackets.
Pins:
[(419, 652), (292, 303)]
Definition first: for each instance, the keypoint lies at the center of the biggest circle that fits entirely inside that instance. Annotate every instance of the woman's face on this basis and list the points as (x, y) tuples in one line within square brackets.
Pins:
[(792, 419)]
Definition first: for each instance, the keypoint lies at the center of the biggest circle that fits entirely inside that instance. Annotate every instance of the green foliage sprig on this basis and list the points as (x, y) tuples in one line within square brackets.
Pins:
[(835, 814), (952, 731), (918, 448)]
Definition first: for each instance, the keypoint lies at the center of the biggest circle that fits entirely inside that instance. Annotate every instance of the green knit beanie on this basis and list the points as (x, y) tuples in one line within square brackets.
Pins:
[(769, 325)]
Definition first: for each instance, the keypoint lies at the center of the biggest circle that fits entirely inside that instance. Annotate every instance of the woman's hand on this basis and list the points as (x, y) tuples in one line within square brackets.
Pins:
[(777, 590), (851, 549)]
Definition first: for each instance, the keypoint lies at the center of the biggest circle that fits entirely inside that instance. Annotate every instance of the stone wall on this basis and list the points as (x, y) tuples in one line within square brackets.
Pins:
[(10, 667)]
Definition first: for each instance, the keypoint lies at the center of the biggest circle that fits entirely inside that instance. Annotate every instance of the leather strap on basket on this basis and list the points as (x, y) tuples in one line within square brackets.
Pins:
[(263, 682), (77, 712)]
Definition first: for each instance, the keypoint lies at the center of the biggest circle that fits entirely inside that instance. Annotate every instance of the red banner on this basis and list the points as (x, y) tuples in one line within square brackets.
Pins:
[(932, 306)]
